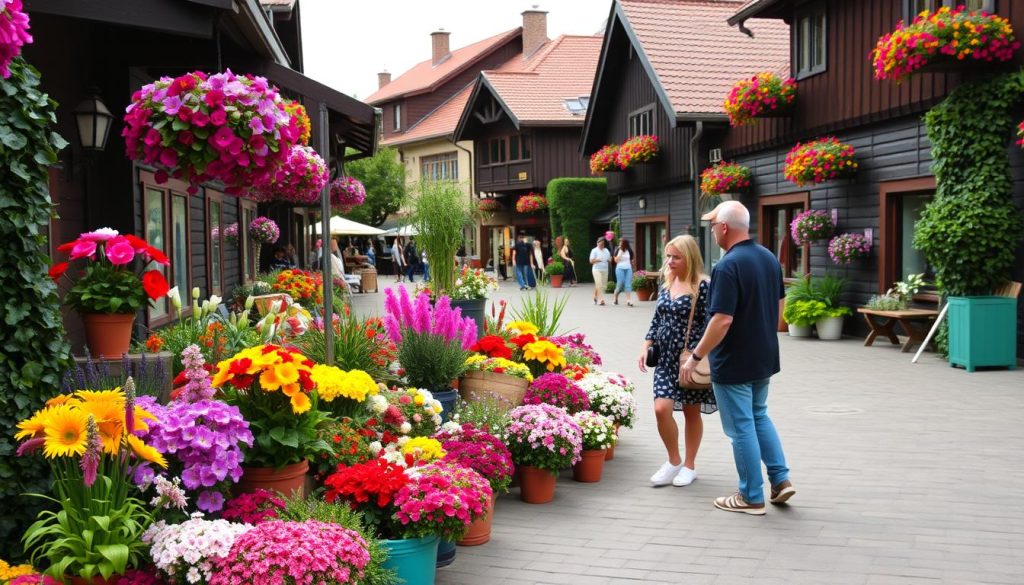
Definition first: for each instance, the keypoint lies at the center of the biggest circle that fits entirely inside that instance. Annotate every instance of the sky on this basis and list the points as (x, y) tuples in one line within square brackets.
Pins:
[(345, 43)]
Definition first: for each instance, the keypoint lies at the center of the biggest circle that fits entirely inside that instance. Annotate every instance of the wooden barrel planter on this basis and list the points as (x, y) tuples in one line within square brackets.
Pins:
[(507, 390)]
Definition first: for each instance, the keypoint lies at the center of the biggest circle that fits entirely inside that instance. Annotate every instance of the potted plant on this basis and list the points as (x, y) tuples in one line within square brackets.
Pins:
[(108, 291), (644, 284), (801, 314), (951, 35), (764, 94), (543, 439), (724, 177), (639, 149), (555, 270), (606, 159), (347, 193), (810, 226), (557, 390), (275, 390), (496, 378), (611, 395), (532, 203), (488, 205), (598, 432), (819, 161), (192, 549), (469, 293), (262, 230), (845, 248), (299, 179), (440, 212)]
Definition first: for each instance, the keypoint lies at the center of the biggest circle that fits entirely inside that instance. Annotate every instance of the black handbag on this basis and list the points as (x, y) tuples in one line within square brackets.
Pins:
[(652, 356)]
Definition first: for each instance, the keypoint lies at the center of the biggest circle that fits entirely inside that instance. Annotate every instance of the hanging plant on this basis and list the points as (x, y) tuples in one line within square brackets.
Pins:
[(724, 177), (638, 149), (298, 112), (811, 225), (762, 94), (488, 205), (845, 248), (230, 234), (13, 33), (606, 159), (300, 179), (531, 203), (221, 127), (943, 35), (819, 161), (263, 230), (347, 193)]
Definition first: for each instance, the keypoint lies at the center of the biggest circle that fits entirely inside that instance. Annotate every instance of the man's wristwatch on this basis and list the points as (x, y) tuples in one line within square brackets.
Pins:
[(696, 357)]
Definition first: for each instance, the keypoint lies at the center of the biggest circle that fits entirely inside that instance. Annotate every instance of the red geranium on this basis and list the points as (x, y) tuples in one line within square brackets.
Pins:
[(522, 340), (492, 346), (154, 283), (375, 482)]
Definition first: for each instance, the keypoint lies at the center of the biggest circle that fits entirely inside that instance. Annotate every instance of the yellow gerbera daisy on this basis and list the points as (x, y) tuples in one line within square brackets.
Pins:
[(523, 327), (146, 452), (115, 395), (33, 426), (300, 403), (60, 399), (65, 432)]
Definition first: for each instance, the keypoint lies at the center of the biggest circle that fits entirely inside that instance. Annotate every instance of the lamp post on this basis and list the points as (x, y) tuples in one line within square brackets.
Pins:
[(93, 121)]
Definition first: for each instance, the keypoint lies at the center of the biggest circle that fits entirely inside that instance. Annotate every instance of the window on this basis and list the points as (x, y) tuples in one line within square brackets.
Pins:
[(166, 226), (642, 121), (440, 167), (900, 206), (577, 106), (810, 41), (155, 218), (515, 148), (497, 151), (214, 226), (651, 236), (248, 259), (776, 213), (397, 114), (911, 8)]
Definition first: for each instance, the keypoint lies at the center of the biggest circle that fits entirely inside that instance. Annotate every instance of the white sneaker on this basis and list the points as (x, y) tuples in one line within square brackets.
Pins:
[(665, 473), (684, 477)]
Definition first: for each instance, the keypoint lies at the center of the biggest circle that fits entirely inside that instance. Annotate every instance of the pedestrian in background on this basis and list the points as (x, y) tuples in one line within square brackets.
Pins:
[(624, 271), (565, 252), (599, 258), (396, 258), (522, 255)]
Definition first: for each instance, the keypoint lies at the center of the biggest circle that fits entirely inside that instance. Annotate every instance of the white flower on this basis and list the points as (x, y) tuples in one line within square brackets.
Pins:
[(375, 447), (175, 297), (377, 404), (405, 429)]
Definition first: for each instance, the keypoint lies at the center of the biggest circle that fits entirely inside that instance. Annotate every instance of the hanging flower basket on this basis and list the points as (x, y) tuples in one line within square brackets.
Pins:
[(300, 179), (532, 203), (230, 234), (811, 225), (13, 33), (639, 149), (764, 94), (488, 205), (943, 35), (605, 160), (819, 161), (263, 230), (724, 177), (298, 112), (347, 193), (221, 127), (845, 248)]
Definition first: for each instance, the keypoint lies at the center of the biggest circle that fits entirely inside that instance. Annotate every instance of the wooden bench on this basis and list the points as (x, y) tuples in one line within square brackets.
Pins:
[(915, 322)]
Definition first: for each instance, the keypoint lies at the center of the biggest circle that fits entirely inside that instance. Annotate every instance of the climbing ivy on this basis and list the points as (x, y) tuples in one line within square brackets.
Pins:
[(572, 203), (972, 228), (33, 347)]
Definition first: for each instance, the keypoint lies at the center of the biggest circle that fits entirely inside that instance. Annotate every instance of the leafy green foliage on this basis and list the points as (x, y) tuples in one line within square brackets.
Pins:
[(489, 414), (971, 229), (440, 212), (554, 268), (539, 309), (281, 436), (806, 312), (33, 347), (384, 178), (571, 204), (103, 289), (355, 348)]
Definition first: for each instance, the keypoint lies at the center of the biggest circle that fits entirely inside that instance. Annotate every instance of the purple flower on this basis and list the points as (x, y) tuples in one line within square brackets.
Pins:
[(405, 302), (468, 333), (93, 452), (421, 316), (393, 328)]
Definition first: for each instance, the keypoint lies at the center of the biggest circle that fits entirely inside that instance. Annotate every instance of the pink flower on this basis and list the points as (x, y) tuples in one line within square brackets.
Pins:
[(82, 249), (100, 235), (119, 251)]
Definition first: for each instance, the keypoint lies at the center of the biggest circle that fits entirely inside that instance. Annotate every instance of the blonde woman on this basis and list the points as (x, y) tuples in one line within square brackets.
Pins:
[(685, 289)]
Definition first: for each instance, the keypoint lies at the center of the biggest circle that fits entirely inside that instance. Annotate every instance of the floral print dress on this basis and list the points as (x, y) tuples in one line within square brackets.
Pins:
[(667, 330)]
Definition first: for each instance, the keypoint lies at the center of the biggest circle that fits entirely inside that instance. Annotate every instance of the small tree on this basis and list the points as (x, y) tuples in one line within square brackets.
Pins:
[(384, 178), (440, 211)]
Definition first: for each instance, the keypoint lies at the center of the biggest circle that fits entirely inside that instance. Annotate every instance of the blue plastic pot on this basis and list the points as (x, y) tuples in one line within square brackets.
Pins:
[(445, 553), (414, 559), (447, 399)]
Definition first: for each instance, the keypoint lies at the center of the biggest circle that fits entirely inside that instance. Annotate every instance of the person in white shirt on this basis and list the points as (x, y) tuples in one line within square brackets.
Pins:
[(396, 258), (599, 258), (624, 271)]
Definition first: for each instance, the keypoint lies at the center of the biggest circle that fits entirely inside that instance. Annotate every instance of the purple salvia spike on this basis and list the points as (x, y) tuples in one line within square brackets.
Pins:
[(454, 328), (391, 304), (468, 333), (442, 311), (421, 315), (393, 328), (405, 302)]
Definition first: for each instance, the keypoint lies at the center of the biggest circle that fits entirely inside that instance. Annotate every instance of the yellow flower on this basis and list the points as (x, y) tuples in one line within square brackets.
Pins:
[(359, 384), (329, 381), (300, 403), (109, 418), (146, 452), (9, 573), (60, 399), (65, 431), (116, 395), (544, 352), (33, 426), (418, 400), (475, 358), (424, 448), (523, 327)]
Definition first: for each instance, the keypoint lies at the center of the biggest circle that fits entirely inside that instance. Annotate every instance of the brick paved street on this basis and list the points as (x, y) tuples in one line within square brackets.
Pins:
[(906, 474)]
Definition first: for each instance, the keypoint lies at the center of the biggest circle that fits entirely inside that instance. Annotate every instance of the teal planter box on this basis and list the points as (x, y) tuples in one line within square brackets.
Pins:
[(982, 332)]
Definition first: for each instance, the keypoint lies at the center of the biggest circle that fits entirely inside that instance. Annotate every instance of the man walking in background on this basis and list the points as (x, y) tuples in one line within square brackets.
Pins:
[(742, 343), (523, 257)]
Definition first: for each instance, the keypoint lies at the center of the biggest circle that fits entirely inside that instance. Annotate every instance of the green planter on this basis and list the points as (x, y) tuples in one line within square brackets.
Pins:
[(414, 559), (982, 332)]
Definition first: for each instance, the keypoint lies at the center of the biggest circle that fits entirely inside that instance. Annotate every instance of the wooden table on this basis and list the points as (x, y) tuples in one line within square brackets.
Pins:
[(915, 322)]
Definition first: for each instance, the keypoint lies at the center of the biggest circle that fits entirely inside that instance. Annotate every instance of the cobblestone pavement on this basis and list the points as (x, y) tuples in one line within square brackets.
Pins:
[(906, 474)]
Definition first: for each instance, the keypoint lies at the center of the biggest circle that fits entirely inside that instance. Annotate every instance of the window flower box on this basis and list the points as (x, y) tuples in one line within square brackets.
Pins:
[(724, 177), (943, 36), (532, 203), (605, 160), (637, 150), (763, 95), (488, 205), (819, 161)]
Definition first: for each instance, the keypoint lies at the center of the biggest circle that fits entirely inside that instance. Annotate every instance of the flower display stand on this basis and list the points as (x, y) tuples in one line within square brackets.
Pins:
[(413, 559), (508, 390), (982, 332)]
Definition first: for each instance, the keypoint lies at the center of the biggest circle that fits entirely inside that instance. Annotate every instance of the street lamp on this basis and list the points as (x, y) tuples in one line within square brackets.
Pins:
[(641, 202), (93, 120)]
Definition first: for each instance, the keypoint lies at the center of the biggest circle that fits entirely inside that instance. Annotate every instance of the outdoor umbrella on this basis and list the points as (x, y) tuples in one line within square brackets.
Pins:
[(347, 227)]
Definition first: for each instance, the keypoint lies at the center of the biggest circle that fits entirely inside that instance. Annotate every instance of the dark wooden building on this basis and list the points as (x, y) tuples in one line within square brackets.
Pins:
[(838, 95), (109, 49), (665, 69)]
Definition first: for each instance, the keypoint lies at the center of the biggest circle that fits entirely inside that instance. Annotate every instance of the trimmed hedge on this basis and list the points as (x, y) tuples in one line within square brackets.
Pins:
[(33, 348), (572, 203)]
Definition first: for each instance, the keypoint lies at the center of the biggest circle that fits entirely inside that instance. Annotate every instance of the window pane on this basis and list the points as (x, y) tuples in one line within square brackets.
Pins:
[(525, 145), (215, 247), (912, 260), (179, 234), (803, 40), (819, 41), (155, 236), (513, 148)]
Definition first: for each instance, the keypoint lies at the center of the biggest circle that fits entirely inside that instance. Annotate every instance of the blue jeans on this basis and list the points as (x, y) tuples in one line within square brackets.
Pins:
[(426, 272), (410, 272), (523, 275), (744, 412), (623, 279)]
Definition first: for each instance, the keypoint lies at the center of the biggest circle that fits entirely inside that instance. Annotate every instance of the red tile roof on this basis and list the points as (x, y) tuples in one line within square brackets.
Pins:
[(425, 76), (535, 90), (437, 124), (696, 56)]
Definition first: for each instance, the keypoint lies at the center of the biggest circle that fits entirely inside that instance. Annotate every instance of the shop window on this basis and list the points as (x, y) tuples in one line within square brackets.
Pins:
[(651, 237), (900, 206), (776, 214), (166, 227)]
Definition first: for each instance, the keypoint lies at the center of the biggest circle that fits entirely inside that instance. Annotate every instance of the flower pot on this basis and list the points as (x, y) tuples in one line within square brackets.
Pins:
[(108, 335), (799, 330), (588, 470), (508, 390), (445, 553), (447, 398), (413, 559), (473, 308), (96, 580), (556, 280), (536, 485), (286, 480), (830, 328), (609, 453), (480, 530), (643, 294)]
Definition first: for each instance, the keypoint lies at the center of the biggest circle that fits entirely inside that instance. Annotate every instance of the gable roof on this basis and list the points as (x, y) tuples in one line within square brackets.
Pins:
[(690, 53), (439, 123), (424, 77)]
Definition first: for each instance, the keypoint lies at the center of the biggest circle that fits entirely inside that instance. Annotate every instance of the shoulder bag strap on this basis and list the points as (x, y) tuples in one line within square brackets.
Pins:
[(689, 322)]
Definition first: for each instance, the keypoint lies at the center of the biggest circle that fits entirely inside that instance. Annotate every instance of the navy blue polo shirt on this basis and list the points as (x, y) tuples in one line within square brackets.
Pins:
[(747, 284)]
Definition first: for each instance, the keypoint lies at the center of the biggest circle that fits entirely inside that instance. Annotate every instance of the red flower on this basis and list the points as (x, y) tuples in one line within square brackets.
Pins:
[(492, 346), (57, 270), (522, 340), (375, 482), (154, 283)]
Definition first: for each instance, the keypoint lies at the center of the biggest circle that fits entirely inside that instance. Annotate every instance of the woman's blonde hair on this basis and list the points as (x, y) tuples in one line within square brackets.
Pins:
[(688, 247)]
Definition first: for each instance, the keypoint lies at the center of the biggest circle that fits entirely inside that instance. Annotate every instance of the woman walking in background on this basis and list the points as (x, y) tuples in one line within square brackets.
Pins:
[(599, 258), (538, 261), (624, 271), (685, 290), (565, 253), (396, 258)]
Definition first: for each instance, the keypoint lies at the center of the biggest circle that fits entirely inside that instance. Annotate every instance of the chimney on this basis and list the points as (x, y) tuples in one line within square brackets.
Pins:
[(439, 42), (383, 78), (535, 30)]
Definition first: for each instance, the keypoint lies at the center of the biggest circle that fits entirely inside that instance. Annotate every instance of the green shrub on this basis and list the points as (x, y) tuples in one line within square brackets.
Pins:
[(803, 313), (554, 269), (572, 203)]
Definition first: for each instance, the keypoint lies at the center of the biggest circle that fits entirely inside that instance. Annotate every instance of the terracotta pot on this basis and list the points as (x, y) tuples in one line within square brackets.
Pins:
[(536, 486), (480, 529), (508, 390), (609, 453), (286, 480), (643, 294), (108, 335), (556, 280), (96, 580), (588, 470)]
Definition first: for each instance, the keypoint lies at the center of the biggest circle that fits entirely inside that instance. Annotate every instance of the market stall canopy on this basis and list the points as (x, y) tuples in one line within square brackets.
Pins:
[(346, 227), (404, 231)]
